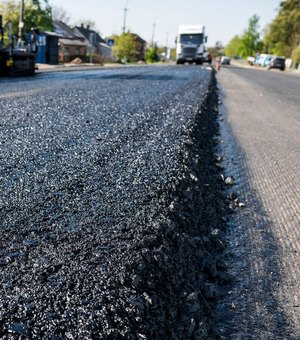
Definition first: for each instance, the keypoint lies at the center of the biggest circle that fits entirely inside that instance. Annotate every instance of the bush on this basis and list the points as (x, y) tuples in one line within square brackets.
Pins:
[(152, 55), (296, 57), (125, 48)]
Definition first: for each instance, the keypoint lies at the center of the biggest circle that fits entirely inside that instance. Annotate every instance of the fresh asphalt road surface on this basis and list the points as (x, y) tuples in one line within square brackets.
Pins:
[(87, 161), (99, 173), (261, 149)]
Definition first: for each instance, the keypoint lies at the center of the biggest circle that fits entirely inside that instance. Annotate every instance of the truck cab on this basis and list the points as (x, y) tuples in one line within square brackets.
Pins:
[(190, 44)]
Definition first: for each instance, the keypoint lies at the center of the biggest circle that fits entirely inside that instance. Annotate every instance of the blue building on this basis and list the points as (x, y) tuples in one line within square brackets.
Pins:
[(48, 49)]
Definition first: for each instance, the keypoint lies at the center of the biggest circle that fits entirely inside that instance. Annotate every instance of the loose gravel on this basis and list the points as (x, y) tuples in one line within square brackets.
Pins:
[(111, 206)]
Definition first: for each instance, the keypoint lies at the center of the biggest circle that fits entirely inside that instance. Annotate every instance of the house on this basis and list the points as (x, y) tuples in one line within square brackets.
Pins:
[(141, 47), (71, 45), (97, 46)]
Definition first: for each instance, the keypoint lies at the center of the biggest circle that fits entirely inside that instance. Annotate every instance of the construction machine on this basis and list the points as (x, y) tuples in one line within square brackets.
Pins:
[(17, 57)]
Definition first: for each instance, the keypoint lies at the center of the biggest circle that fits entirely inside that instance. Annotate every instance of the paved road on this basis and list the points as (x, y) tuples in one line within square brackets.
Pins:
[(261, 148), (102, 177)]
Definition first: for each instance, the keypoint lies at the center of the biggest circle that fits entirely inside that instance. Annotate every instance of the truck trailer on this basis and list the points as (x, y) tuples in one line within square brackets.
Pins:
[(190, 44)]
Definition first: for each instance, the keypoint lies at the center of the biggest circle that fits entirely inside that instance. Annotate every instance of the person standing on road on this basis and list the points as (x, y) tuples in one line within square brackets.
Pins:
[(218, 63)]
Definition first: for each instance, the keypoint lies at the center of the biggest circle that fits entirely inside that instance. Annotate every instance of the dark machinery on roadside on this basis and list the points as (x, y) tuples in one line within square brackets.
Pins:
[(17, 57)]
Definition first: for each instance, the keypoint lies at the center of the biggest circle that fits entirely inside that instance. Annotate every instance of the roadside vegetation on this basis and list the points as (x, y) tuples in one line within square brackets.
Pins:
[(281, 37), (152, 55), (38, 14), (125, 48)]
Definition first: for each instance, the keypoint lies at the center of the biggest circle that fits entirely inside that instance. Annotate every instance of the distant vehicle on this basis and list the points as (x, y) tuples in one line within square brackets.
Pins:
[(251, 60), (263, 59), (277, 62), (225, 60), (190, 44)]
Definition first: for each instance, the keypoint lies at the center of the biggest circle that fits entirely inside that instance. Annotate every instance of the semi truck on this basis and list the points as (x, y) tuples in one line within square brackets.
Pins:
[(190, 44), (17, 57)]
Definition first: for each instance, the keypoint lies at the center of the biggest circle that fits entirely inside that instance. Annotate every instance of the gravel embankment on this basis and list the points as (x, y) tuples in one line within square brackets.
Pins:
[(111, 212)]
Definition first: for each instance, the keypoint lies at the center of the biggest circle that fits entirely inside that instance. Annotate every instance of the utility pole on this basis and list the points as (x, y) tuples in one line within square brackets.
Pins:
[(167, 40), (167, 43), (153, 28), (21, 25), (124, 19), (153, 31)]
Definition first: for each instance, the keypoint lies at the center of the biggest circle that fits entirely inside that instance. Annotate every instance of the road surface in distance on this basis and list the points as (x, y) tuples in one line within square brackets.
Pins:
[(261, 148)]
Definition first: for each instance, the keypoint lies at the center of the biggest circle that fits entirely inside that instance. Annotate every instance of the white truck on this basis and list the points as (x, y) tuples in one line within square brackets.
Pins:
[(190, 44)]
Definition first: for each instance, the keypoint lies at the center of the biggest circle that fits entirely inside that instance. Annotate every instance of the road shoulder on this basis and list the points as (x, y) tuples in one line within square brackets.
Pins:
[(262, 301)]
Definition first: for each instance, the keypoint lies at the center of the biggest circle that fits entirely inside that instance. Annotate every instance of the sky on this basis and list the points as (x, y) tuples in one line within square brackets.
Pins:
[(159, 19)]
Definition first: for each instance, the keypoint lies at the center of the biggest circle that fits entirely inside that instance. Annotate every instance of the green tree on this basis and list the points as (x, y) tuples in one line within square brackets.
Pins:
[(217, 50), (152, 54), (37, 14), (125, 48), (266, 40), (173, 54), (10, 10), (234, 47), (296, 56), (250, 40), (284, 31)]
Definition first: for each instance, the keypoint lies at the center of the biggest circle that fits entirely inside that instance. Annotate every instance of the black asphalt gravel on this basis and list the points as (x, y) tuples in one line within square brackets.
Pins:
[(111, 207)]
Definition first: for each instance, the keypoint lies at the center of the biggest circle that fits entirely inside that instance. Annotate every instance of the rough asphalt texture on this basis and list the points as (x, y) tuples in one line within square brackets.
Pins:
[(261, 150), (111, 207)]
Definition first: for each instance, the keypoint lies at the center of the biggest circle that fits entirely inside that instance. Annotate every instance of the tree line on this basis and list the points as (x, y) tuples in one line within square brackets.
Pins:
[(39, 14), (281, 37)]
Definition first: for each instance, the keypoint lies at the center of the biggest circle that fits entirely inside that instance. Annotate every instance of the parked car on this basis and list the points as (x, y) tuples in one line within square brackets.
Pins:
[(225, 60), (277, 62), (250, 60), (263, 59)]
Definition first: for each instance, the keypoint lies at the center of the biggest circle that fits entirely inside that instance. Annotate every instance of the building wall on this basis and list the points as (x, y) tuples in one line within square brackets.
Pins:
[(68, 53), (47, 49), (106, 52)]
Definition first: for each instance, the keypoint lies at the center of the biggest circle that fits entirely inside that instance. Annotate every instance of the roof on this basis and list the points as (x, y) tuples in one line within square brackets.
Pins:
[(137, 37), (64, 30), (52, 34), (72, 42), (86, 32)]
